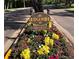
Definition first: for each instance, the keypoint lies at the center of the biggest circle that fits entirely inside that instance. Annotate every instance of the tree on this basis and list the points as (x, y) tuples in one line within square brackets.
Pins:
[(37, 5), (24, 2), (68, 3)]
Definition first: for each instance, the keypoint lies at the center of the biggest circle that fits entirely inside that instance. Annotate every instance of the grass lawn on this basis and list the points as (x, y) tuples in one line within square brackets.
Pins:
[(9, 10), (70, 10), (13, 9)]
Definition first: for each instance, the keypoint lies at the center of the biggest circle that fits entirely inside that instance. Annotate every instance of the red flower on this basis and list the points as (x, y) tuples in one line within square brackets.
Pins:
[(54, 57)]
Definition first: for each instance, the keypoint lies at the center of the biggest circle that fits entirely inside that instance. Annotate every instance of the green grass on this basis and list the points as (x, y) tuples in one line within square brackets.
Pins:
[(9, 10), (70, 9), (13, 9)]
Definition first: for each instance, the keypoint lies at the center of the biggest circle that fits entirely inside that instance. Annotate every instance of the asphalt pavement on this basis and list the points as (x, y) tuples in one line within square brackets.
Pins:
[(64, 18)]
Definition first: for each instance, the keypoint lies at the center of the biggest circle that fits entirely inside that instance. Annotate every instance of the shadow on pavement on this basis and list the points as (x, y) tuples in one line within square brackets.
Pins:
[(63, 14), (10, 18), (17, 15), (12, 25), (20, 11)]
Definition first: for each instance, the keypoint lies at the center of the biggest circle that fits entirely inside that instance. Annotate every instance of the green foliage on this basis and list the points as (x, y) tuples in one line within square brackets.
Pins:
[(47, 1), (53, 51), (8, 4)]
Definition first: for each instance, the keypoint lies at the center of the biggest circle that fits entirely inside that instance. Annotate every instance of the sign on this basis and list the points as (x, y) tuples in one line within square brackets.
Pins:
[(39, 19)]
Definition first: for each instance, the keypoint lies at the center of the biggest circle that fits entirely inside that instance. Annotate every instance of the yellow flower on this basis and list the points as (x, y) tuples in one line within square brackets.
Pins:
[(40, 51), (25, 53), (55, 36), (43, 50), (48, 41), (49, 24), (51, 42), (46, 49), (8, 54)]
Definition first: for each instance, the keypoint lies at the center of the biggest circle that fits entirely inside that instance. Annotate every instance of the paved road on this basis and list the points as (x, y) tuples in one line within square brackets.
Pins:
[(64, 18)]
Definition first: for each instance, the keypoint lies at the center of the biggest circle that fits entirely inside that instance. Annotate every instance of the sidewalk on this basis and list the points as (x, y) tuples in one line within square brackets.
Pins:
[(12, 26)]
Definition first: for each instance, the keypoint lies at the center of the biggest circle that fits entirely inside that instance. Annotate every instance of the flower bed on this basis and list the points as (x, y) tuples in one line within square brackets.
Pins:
[(36, 43)]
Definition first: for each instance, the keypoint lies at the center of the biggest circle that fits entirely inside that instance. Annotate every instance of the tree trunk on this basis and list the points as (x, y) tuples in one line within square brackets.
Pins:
[(8, 5), (68, 3), (37, 6), (24, 3), (5, 6), (15, 3)]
